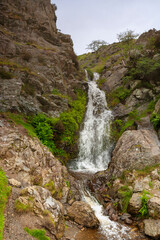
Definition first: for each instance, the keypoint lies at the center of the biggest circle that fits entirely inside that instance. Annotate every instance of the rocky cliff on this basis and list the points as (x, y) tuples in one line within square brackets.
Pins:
[(38, 67), (39, 73)]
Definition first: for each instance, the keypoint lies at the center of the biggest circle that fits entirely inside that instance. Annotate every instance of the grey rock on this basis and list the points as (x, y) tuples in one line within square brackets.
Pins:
[(152, 227)]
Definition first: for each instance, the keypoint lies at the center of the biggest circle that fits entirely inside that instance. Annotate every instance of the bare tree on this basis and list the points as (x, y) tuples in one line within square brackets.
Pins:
[(127, 36), (95, 45)]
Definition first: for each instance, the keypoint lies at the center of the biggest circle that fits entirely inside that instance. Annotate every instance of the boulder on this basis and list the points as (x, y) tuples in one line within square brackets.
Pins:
[(81, 213), (153, 205), (135, 203), (152, 228), (135, 149), (155, 175)]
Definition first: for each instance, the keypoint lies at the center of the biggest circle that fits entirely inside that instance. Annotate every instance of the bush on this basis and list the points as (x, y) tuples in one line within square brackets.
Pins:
[(155, 120), (144, 210)]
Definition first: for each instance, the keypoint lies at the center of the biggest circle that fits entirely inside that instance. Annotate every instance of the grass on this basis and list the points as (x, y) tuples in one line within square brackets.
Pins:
[(144, 210), (39, 234), (21, 207), (4, 194), (147, 170), (20, 119), (126, 194)]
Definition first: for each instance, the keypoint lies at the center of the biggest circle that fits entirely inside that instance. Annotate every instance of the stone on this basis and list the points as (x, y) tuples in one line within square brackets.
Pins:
[(155, 175), (39, 199), (152, 228), (13, 182), (135, 149), (142, 184), (81, 213), (153, 205), (135, 203)]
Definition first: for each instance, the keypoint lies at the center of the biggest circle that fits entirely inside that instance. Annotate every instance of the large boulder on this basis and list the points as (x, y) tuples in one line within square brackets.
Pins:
[(82, 214), (152, 228), (135, 149)]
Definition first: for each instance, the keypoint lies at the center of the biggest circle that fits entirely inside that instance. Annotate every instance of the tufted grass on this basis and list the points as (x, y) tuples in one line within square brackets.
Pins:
[(4, 194), (39, 234)]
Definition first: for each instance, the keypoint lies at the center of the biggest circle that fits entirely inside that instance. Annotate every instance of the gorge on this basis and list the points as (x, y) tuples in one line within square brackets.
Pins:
[(79, 156)]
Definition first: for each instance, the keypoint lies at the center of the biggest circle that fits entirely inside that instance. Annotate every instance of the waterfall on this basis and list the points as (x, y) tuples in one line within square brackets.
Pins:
[(94, 142), (94, 155)]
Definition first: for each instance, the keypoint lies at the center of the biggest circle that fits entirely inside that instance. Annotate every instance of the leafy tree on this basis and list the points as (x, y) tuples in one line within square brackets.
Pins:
[(127, 36), (95, 45)]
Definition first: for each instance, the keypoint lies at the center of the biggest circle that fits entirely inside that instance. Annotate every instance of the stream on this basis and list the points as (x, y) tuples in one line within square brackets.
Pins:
[(94, 155)]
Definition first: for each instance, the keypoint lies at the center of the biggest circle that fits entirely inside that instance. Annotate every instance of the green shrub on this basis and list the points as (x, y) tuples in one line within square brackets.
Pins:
[(126, 194), (40, 234), (144, 210), (4, 194), (144, 66), (155, 120)]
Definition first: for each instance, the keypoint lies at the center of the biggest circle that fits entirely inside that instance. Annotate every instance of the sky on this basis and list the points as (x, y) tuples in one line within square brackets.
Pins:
[(89, 20)]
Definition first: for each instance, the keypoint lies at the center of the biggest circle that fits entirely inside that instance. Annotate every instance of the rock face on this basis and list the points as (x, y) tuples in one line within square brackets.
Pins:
[(134, 150), (38, 69), (82, 214)]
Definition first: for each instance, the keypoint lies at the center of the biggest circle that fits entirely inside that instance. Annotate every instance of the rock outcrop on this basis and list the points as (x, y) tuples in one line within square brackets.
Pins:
[(38, 67), (134, 150)]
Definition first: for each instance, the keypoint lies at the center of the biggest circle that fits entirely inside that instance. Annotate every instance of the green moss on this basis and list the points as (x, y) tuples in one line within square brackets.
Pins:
[(39, 234), (4, 194), (50, 186), (101, 81)]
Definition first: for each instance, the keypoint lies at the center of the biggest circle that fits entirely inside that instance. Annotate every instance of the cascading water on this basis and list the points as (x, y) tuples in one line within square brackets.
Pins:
[(94, 142), (94, 155)]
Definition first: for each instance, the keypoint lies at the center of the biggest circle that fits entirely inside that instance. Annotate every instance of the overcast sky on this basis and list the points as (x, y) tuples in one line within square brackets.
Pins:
[(88, 20)]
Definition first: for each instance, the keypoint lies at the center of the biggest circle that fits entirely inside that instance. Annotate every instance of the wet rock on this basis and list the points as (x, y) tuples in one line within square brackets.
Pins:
[(153, 205), (135, 149), (81, 213), (152, 228), (135, 203)]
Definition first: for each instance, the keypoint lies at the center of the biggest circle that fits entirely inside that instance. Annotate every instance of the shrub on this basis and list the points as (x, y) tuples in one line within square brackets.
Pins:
[(144, 210), (4, 194), (155, 120), (126, 194)]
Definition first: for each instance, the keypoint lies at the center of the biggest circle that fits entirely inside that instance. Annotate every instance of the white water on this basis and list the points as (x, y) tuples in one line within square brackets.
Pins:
[(94, 142), (94, 154), (112, 230)]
